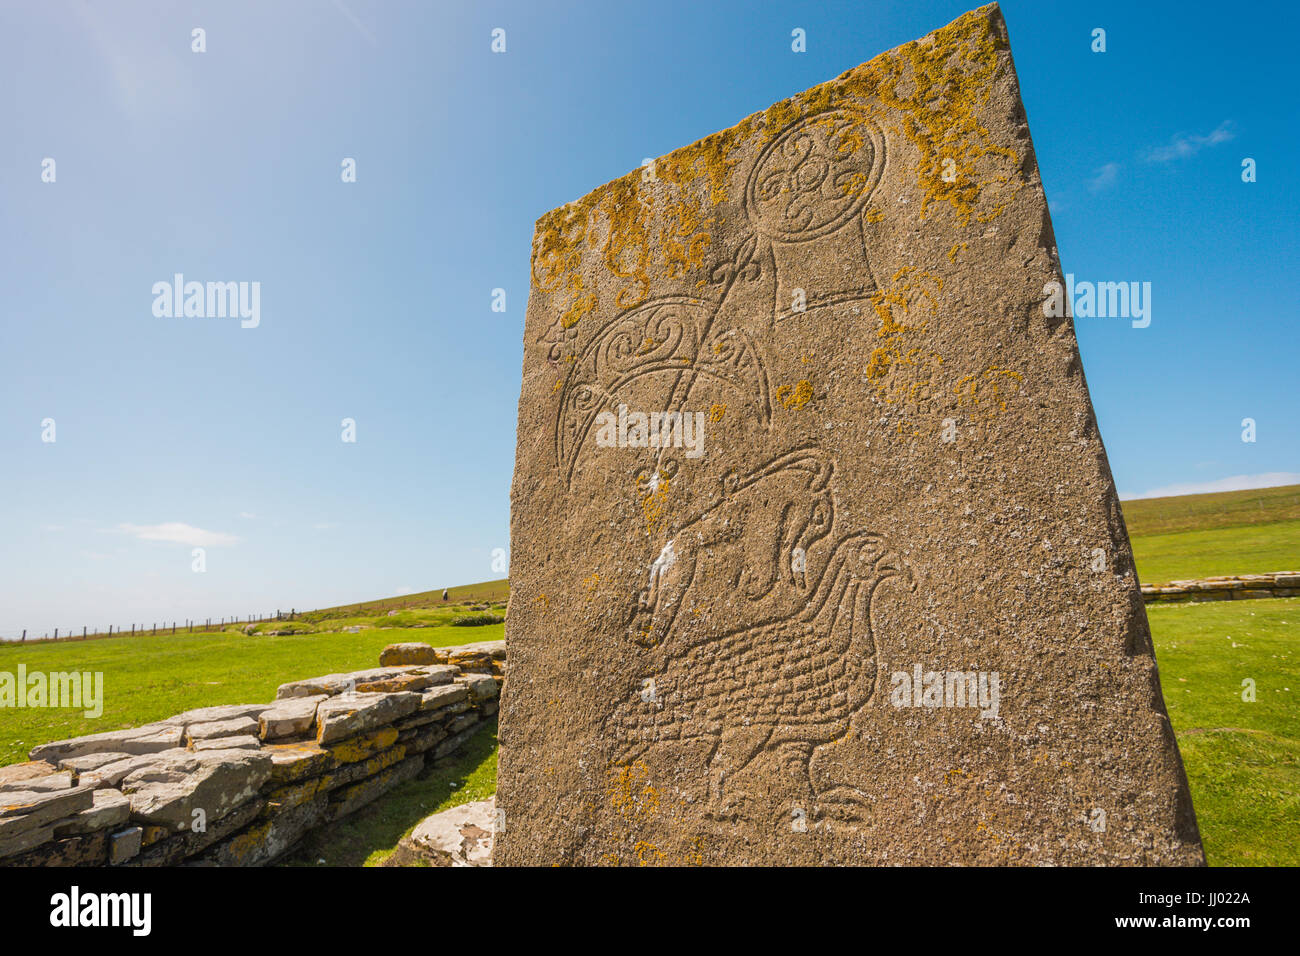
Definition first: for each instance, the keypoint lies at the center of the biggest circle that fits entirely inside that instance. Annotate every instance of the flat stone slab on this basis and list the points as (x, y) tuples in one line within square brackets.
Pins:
[(166, 793), (112, 774), (233, 727), (461, 836), (149, 738), (353, 714), (110, 808), (221, 712), (239, 742), (816, 556), (33, 775), (332, 684), (412, 653), (481, 687), (292, 717), (437, 698), (38, 807), (94, 761)]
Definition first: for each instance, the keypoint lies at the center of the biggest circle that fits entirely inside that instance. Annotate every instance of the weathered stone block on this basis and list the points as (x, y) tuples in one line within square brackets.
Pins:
[(362, 746), (244, 742), (292, 717), (33, 775), (215, 782), (412, 653), (826, 441), (437, 698), (210, 730), (151, 738), (124, 845), (110, 808), (353, 714), (348, 799)]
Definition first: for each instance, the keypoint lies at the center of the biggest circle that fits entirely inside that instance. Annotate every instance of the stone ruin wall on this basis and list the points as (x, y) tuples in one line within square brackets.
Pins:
[(257, 777)]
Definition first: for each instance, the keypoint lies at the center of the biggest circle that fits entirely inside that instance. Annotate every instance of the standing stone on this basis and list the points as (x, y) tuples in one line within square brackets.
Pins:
[(870, 600)]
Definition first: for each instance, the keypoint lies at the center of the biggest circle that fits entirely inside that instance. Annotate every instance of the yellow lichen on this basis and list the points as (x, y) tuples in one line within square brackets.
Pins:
[(795, 396)]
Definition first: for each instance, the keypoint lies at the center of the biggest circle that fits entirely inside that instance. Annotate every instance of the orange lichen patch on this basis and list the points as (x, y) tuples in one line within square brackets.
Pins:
[(654, 499), (591, 582), (952, 253), (683, 238), (543, 601), (929, 91), (716, 412), (647, 854), (988, 392), (901, 367), (795, 396), (630, 792)]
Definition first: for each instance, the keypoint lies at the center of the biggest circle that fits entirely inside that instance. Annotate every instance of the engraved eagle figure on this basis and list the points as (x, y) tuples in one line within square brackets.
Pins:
[(756, 621)]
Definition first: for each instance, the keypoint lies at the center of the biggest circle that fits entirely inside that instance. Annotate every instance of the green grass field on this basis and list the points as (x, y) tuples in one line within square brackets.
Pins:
[(1198, 536), (1242, 758), (148, 678)]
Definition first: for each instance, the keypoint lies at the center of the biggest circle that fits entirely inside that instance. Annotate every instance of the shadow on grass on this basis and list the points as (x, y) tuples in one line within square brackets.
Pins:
[(369, 836)]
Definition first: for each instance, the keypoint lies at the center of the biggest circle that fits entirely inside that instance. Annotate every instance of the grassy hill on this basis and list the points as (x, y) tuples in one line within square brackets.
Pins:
[(1232, 532)]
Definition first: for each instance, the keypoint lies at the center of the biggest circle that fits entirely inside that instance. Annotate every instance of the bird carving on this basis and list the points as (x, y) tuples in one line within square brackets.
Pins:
[(794, 658)]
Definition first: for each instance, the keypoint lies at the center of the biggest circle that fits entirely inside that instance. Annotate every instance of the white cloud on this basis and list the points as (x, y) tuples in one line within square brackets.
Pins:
[(1270, 479), (1104, 177), (177, 532), (1183, 146), (404, 590), (247, 514)]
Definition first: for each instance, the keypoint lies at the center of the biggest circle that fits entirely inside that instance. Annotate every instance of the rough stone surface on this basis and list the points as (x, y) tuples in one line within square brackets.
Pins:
[(289, 718), (216, 781), (437, 698), (171, 848), (290, 762), (896, 471), (352, 714), (80, 765), (461, 836), (110, 808), (205, 715), (33, 775), (210, 730), (242, 742), (124, 845), (480, 686), (413, 653), (151, 738), (112, 774), (86, 849), (332, 684), (38, 807)]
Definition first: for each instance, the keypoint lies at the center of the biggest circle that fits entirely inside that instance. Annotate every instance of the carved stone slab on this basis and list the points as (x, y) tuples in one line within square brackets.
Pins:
[(816, 555)]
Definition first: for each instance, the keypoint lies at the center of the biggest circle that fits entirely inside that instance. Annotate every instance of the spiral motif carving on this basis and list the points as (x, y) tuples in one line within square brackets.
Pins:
[(815, 176)]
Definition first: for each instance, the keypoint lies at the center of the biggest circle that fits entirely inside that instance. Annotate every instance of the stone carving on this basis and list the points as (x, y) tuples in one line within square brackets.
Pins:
[(864, 623)]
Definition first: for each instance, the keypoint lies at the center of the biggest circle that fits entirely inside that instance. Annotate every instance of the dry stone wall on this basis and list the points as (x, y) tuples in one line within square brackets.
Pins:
[(241, 784), (1236, 587)]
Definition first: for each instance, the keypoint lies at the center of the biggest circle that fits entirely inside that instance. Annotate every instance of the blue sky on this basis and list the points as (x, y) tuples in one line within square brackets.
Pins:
[(376, 295)]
